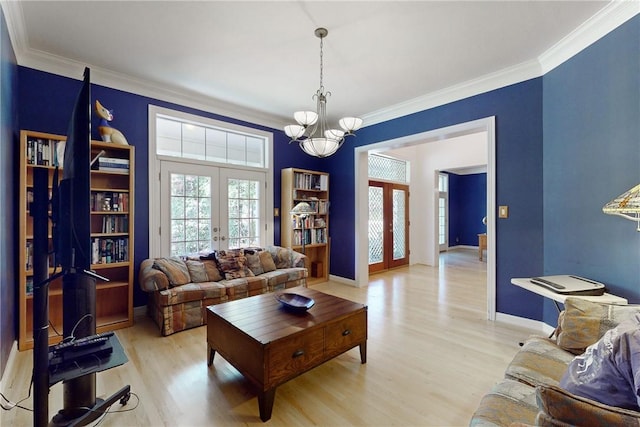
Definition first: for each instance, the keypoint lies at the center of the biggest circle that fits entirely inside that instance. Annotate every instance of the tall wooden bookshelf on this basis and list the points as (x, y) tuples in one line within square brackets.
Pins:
[(299, 185), (112, 197)]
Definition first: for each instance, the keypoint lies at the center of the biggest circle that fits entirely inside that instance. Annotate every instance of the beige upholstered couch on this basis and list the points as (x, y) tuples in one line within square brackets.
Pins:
[(181, 289), (530, 393)]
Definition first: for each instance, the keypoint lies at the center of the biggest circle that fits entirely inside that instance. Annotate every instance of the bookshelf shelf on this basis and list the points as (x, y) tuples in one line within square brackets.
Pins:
[(114, 299), (300, 185)]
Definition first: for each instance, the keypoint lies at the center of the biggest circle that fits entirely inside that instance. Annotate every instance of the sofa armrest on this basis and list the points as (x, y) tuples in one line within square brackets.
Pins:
[(151, 279), (298, 259)]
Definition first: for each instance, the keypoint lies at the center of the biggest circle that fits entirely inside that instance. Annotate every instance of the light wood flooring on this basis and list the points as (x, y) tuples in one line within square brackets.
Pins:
[(432, 355)]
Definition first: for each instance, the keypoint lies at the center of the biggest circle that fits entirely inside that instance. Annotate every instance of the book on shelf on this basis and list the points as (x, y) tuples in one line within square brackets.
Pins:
[(115, 224), (108, 251), (113, 164), (109, 201), (45, 152)]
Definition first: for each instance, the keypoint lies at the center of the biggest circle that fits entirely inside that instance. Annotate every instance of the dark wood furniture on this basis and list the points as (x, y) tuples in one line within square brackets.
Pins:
[(270, 345)]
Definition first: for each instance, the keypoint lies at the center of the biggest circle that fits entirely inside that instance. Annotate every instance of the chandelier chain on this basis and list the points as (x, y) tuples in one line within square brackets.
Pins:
[(321, 63)]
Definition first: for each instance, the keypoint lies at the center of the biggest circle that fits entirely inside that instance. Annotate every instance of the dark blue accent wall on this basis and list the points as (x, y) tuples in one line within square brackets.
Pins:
[(591, 155), (8, 195), (518, 112), (467, 207), (46, 102)]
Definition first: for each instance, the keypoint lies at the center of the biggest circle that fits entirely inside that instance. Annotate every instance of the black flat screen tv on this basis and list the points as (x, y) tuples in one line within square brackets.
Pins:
[(73, 229)]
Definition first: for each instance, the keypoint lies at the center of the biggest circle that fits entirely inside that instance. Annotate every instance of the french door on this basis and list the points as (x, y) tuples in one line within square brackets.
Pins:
[(388, 225), (205, 208)]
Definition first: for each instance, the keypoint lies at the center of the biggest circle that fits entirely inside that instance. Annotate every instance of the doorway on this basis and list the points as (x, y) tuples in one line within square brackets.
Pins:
[(388, 225), (427, 227)]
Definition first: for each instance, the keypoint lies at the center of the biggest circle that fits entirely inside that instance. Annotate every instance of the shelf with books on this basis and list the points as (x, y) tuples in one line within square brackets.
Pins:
[(299, 185), (111, 227)]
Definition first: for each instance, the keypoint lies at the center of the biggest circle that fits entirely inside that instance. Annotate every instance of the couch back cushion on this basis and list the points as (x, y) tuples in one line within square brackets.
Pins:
[(175, 269), (583, 322), (266, 261), (197, 271), (253, 261)]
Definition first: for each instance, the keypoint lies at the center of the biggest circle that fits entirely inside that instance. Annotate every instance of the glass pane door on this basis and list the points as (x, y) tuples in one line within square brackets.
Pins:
[(244, 212)]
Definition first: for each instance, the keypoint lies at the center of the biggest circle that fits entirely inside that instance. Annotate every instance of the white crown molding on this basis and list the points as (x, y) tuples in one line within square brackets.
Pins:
[(599, 25), (613, 15), (606, 20), (486, 83)]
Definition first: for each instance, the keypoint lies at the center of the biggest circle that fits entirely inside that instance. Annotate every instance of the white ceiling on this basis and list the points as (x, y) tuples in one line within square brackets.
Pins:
[(263, 56)]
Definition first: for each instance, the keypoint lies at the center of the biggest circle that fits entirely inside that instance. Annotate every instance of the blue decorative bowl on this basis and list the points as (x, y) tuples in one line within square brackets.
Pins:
[(295, 302)]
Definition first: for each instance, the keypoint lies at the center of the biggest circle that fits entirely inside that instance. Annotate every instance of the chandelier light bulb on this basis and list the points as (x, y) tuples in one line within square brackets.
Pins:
[(312, 133)]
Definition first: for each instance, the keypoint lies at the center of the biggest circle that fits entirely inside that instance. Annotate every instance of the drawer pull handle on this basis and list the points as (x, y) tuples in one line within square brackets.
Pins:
[(297, 353), (346, 332)]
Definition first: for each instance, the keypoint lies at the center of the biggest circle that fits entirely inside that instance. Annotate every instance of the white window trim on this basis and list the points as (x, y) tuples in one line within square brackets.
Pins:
[(154, 171)]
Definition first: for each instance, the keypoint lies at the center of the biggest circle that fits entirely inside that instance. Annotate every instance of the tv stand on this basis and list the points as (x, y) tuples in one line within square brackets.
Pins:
[(67, 417)]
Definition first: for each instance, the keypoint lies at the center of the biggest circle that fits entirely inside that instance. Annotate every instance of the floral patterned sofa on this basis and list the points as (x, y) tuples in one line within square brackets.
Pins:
[(181, 289), (530, 392)]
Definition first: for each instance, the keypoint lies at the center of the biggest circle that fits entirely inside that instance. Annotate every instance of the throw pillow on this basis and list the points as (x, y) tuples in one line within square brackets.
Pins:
[(281, 256), (583, 322), (266, 260), (197, 271), (253, 261), (175, 269), (232, 264), (609, 370), (560, 408), (213, 273)]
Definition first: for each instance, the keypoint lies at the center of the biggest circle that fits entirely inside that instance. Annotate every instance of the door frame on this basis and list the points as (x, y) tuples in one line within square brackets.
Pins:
[(361, 198)]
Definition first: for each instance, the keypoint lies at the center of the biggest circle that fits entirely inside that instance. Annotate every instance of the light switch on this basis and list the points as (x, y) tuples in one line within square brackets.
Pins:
[(503, 212)]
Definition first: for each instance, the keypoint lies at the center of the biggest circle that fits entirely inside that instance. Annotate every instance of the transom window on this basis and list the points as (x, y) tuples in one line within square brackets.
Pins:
[(388, 168)]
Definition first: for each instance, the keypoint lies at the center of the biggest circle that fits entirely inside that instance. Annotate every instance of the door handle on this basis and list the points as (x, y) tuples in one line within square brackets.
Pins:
[(223, 238), (215, 239)]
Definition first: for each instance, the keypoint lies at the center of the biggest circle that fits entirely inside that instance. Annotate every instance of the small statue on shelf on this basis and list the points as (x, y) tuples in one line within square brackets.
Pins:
[(107, 133)]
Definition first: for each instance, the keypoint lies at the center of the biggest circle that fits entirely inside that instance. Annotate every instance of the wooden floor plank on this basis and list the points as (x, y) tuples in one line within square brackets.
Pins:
[(432, 355)]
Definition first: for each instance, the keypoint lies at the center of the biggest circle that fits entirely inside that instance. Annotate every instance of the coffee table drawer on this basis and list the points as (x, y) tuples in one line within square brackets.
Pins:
[(346, 333), (294, 355)]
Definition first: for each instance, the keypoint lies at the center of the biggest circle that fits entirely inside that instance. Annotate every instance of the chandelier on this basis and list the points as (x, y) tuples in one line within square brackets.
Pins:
[(311, 132)]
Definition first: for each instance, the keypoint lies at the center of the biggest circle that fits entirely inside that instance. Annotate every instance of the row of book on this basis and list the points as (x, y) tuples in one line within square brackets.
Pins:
[(45, 152), (115, 224), (309, 181), (311, 236), (320, 206), (109, 201), (29, 256), (309, 222), (111, 164), (108, 251)]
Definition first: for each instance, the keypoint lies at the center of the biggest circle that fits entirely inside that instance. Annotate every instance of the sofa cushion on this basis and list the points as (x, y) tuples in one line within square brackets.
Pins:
[(509, 401), (583, 322), (266, 260), (560, 408), (197, 271), (539, 361), (191, 292), (253, 261), (175, 269), (213, 272)]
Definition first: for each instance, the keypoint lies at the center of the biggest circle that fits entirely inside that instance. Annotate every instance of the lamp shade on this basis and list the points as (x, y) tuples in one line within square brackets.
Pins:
[(306, 118), (350, 124), (294, 131), (626, 205), (320, 147), (302, 209)]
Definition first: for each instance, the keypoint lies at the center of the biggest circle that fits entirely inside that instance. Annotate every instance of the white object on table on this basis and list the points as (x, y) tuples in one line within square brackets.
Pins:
[(605, 298)]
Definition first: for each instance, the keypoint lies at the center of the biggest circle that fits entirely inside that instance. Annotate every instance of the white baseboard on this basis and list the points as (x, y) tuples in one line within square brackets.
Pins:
[(343, 280), (535, 325)]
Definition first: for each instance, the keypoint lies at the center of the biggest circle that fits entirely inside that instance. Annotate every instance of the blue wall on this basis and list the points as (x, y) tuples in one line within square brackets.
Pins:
[(467, 207), (518, 112), (8, 195), (565, 144), (591, 155), (46, 102)]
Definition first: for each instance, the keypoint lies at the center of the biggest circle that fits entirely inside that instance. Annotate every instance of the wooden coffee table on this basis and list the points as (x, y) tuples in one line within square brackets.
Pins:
[(270, 345)]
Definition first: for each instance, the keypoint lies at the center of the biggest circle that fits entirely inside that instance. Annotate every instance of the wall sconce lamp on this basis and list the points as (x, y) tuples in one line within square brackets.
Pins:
[(302, 210), (626, 205)]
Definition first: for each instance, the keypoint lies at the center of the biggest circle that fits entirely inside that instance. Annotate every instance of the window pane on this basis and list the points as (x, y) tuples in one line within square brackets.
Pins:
[(375, 224), (169, 137), (381, 167), (236, 149), (193, 138), (399, 241), (216, 145), (190, 213)]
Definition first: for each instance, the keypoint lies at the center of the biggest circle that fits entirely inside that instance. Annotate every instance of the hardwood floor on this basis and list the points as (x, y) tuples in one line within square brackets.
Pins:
[(432, 355)]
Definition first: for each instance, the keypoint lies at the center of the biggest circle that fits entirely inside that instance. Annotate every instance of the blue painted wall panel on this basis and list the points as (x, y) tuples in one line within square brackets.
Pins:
[(591, 155), (467, 207)]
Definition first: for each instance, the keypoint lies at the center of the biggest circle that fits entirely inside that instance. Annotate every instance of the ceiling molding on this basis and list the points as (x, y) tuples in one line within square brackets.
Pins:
[(599, 25), (486, 83), (609, 18)]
